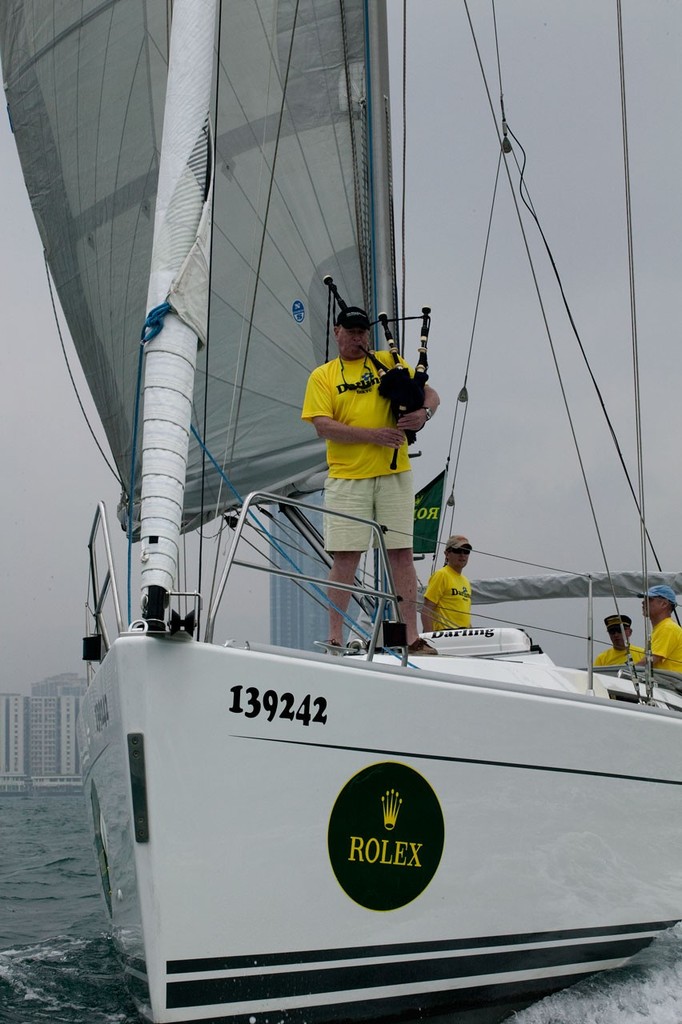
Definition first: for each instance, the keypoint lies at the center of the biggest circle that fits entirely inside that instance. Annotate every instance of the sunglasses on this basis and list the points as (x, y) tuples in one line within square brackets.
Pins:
[(617, 629), (459, 551)]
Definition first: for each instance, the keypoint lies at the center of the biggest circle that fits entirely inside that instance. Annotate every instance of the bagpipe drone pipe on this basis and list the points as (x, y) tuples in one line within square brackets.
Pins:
[(404, 392)]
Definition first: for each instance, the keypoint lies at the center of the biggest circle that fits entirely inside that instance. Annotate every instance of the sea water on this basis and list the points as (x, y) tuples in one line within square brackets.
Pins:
[(58, 965), (57, 962)]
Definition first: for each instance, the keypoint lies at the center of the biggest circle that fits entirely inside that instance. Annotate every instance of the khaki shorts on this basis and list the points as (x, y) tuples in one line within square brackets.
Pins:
[(388, 499)]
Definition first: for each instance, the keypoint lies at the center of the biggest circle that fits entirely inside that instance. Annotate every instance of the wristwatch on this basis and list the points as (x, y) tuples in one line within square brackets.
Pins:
[(428, 412)]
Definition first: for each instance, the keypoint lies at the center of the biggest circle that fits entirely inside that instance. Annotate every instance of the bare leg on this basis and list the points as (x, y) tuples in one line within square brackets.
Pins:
[(342, 571), (405, 579)]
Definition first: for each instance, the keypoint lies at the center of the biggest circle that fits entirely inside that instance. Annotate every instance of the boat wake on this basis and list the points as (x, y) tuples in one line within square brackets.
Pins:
[(648, 989), (74, 981)]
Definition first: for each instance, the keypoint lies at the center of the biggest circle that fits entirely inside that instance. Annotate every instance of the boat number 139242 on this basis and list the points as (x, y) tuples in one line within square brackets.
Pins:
[(250, 702)]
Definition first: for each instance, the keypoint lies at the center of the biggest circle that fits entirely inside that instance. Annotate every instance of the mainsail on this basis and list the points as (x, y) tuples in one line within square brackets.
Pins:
[(294, 132)]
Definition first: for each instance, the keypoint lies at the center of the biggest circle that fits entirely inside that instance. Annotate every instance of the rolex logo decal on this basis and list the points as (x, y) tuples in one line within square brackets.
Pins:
[(386, 836), (391, 803)]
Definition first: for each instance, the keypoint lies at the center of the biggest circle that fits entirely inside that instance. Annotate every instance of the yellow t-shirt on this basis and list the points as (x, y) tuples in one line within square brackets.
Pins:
[(666, 642), (451, 594), (348, 391), (611, 656)]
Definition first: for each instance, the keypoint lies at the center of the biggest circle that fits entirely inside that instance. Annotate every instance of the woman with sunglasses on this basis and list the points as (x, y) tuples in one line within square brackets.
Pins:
[(447, 598)]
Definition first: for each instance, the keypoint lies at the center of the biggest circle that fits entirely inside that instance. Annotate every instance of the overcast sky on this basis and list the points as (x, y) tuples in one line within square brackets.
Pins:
[(519, 492)]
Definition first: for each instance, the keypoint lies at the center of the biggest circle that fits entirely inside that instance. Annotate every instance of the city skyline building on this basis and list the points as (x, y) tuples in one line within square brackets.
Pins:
[(38, 747)]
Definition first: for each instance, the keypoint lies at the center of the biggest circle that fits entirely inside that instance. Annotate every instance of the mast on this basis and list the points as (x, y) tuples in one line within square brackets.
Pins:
[(180, 250)]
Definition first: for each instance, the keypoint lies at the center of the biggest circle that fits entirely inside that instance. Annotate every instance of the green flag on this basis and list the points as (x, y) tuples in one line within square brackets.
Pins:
[(427, 507)]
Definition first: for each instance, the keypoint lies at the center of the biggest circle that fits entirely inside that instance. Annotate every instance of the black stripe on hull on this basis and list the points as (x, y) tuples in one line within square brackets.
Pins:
[(407, 949), (483, 1004), (308, 983)]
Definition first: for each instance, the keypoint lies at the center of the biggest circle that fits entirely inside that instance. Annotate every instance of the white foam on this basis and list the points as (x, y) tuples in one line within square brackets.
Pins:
[(647, 991)]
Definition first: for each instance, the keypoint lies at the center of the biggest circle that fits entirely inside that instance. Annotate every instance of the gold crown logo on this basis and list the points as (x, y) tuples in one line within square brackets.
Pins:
[(391, 805)]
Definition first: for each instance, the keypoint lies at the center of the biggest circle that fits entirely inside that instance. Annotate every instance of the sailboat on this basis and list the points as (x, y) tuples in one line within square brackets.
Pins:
[(282, 834)]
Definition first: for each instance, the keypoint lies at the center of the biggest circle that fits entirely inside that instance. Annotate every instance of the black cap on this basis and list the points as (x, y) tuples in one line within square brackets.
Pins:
[(353, 316), (617, 620)]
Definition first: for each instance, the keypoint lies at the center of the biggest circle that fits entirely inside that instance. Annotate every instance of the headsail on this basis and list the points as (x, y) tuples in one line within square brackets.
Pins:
[(178, 288), (292, 202)]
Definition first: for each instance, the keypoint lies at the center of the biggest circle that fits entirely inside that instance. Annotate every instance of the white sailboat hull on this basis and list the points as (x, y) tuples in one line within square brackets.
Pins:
[(540, 834)]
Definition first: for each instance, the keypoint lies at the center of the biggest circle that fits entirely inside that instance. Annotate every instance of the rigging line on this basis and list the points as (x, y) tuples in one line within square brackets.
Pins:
[(450, 502), (633, 319), (231, 422), (217, 538), (211, 156), (404, 170), (528, 203), (231, 419), (534, 626), (507, 148), (463, 394), (526, 199), (276, 247), (71, 377), (543, 312), (265, 220), (391, 223)]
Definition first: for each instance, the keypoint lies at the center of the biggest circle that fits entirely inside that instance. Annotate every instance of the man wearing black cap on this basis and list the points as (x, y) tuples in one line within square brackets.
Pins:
[(619, 628), (343, 403)]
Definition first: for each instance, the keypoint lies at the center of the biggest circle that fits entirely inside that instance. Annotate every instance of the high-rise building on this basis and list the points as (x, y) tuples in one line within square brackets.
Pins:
[(13, 742), (68, 684), (38, 748)]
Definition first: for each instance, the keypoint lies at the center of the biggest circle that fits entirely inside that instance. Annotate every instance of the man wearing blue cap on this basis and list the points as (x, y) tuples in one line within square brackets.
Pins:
[(666, 635)]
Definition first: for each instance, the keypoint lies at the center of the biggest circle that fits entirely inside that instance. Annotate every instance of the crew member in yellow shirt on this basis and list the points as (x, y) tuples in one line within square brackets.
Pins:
[(447, 598), (343, 403), (666, 636), (619, 628)]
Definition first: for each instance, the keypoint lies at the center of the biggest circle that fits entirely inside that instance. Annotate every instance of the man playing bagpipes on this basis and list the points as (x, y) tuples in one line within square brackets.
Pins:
[(369, 468)]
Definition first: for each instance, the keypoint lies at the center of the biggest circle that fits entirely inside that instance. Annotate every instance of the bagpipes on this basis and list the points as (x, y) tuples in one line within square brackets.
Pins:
[(404, 392)]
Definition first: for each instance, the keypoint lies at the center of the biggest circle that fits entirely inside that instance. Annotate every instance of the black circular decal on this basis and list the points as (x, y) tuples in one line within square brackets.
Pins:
[(386, 836)]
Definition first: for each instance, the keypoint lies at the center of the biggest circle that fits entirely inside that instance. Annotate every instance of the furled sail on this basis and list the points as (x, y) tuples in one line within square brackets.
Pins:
[(559, 585), (292, 201)]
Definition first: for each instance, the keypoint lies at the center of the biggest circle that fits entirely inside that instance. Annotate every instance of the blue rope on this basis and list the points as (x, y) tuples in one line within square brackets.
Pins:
[(154, 322)]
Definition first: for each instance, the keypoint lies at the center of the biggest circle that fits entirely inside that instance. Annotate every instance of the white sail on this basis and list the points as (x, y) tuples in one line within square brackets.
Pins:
[(86, 88), (181, 242)]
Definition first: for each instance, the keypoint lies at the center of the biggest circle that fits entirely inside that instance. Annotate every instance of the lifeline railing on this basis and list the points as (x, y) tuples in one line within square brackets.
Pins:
[(97, 642), (100, 591), (384, 598)]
